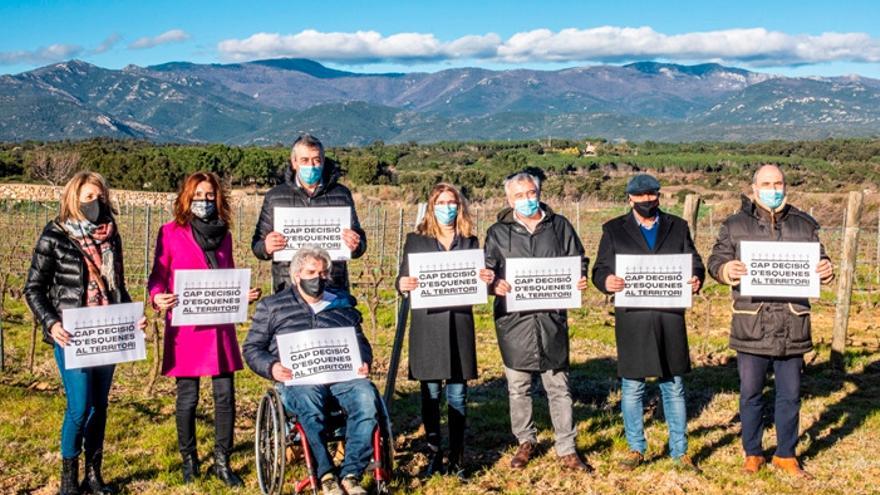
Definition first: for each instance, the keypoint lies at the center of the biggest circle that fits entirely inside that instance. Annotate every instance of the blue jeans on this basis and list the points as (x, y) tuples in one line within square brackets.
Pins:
[(85, 417), (787, 377), (360, 401), (672, 391), (456, 404)]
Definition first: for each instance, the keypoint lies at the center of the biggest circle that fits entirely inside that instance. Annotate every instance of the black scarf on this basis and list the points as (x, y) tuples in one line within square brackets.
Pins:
[(209, 234)]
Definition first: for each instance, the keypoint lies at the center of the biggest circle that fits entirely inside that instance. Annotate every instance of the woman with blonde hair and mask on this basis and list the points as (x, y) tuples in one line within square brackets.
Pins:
[(77, 263), (441, 340)]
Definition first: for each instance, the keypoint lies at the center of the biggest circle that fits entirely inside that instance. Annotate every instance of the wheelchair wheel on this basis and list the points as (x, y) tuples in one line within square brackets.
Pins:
[(384, 444), (270, 443)]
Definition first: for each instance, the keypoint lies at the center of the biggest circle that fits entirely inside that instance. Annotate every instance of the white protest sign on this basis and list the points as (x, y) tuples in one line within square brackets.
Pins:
[(317, 226), (320, 356), (780, 269), (103, 335), (543, 283), (447, 278), (211, 297), (654, 281)]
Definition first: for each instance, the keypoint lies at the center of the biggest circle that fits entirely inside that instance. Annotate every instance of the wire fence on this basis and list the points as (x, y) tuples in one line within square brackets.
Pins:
[(373, 275)]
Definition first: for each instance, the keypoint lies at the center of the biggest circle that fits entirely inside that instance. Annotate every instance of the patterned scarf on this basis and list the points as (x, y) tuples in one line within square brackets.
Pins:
[(94, 242)]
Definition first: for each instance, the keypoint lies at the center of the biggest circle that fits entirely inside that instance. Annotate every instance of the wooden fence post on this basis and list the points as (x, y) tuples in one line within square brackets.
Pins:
[(846, 272), (691, 212)]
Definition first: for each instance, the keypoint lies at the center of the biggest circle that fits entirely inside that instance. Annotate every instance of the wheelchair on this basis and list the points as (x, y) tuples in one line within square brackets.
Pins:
[(278, 430)]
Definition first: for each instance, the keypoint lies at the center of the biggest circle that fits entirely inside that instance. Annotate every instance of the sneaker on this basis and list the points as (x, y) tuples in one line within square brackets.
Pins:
[(352, 486), (685, 463), (330, 485), (632, 460)]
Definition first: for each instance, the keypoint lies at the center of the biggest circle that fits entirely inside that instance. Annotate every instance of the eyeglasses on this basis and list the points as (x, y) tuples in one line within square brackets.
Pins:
[(446, 203)]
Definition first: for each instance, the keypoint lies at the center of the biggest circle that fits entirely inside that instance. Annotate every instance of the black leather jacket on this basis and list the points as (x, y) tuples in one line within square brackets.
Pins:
[(57, 277)]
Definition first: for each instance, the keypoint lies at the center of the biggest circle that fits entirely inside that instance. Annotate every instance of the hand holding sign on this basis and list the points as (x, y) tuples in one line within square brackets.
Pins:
[(780, 269), (543, 283), (351, 239), (275, 241), (319, 356), (654, 281)]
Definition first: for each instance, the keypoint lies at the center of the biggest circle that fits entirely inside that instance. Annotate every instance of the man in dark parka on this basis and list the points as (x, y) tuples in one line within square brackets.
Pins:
[(310, 181), (534, 341), (768, 332), (650, 342)]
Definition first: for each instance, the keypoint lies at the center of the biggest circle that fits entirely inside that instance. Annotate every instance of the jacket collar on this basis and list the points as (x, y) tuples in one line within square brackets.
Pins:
[(631, 226), (329, 177), (760, 212), (506, 214)]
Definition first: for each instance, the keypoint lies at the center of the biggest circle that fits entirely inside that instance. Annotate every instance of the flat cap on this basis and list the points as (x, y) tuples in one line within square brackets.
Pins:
[(642, 183)]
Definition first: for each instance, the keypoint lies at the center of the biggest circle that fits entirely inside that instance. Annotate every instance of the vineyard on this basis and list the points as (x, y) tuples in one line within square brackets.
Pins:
[(839, 422)]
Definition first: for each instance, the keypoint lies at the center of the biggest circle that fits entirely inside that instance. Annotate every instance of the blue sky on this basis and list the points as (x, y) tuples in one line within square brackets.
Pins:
[(788, 37)]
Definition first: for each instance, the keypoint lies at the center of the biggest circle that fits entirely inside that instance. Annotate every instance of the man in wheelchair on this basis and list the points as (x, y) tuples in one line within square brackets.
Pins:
[(306, 305)]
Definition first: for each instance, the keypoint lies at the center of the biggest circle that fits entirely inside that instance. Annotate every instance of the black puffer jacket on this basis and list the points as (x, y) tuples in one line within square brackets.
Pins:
[(286, 312), (288, 194), (57, 277), (531, 340), (765, 326)]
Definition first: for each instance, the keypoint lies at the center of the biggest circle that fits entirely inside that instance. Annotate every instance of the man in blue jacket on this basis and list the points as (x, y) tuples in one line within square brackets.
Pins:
[(306, 305)]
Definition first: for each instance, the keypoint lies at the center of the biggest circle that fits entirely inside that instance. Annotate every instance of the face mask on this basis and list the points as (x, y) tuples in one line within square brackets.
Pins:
[(445, 214), (203, 208), (94, 211), (526, 207), (647, 209), (772, 198), (309, 175), (313, 287)]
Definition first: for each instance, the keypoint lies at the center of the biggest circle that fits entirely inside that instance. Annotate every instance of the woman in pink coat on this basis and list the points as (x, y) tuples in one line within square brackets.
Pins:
[(198, 238)]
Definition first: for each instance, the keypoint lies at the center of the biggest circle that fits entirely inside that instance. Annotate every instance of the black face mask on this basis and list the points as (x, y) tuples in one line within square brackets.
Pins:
[(95, 211), (313, 287), (647, 209)]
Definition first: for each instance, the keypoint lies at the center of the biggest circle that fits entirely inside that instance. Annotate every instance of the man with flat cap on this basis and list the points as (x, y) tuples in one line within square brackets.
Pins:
[(650, 342)]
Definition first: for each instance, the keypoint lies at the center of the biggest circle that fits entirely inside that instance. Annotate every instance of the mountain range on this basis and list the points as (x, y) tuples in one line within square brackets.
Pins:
[(272, 101)]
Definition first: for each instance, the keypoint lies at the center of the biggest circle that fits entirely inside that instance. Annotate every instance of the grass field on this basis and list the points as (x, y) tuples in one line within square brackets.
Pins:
[(840, 418)]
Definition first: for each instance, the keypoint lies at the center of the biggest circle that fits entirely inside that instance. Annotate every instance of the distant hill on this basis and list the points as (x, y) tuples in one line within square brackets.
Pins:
[(270, 101)]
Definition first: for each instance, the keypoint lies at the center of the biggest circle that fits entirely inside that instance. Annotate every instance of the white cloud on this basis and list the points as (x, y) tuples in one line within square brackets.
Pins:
[(173, 36), (42, 55), (107, 44), (751, 47), (358, 47)]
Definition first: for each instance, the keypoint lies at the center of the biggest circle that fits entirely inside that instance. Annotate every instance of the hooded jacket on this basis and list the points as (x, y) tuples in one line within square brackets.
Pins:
[(761, 325)]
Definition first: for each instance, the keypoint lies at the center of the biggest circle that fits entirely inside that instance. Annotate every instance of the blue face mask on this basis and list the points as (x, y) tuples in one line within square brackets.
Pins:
[(526, 207), (772, 198), (445, 214), (309, 175)]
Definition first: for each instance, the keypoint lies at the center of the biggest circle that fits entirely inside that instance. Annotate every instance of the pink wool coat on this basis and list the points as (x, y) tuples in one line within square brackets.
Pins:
[(191, 351)]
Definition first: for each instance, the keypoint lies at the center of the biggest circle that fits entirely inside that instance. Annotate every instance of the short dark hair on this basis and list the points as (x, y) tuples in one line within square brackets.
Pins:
[(309, 141)]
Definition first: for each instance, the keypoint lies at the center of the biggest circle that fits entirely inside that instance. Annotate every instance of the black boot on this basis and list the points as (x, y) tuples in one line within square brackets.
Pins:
[(223, 471), (190, 467), (93, 482), (435, 461), (69, 476)]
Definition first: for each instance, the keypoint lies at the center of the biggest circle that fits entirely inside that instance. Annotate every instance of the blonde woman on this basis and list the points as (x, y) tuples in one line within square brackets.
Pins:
[(441, 340), (78, 263)]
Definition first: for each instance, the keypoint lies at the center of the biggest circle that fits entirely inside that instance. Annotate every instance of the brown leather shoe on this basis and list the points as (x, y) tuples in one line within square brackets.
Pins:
[(791, 466), (633, 459), (522, 456), (685, 463), (573, 462), (753, 463)]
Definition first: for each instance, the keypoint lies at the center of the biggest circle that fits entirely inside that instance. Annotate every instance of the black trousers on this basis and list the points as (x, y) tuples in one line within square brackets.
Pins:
[(224, 412)]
